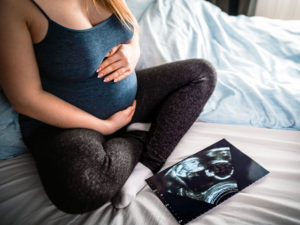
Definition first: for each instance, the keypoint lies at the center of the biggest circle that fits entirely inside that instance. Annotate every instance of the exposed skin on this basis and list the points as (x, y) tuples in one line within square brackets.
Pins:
[(21, 25)]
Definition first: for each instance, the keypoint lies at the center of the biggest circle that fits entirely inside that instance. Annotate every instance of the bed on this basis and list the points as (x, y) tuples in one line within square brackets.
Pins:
[(255, 106)]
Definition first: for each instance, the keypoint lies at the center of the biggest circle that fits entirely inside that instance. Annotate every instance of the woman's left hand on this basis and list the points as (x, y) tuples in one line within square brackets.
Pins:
[(121, 60)]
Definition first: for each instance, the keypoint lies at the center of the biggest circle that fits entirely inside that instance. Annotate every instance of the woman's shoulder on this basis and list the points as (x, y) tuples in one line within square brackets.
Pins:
[(15, 8), (18, 14), (14, 11)]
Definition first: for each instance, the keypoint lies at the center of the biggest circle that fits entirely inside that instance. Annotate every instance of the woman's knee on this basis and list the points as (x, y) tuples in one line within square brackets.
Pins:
[(88, 173), (79, 198), (72, 174), (78, 188), (201, 70), (94, 183)]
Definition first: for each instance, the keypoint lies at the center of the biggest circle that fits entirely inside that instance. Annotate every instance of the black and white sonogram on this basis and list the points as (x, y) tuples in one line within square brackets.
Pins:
[(200, 182)]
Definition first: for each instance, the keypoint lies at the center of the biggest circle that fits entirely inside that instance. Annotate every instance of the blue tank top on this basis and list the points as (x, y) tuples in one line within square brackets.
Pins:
[(67, 61)]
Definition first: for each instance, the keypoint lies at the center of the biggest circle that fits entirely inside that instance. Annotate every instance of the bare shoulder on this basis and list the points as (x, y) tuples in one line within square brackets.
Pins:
[(15, 12), (17, 9)]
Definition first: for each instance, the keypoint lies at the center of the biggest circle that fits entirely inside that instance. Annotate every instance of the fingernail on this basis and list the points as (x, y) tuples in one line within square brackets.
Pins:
[(106, 79), (98, 70), (100, 74)]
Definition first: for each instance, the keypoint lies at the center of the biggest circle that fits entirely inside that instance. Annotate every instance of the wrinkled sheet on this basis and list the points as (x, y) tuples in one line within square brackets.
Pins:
[(257, 59), (274, 199)]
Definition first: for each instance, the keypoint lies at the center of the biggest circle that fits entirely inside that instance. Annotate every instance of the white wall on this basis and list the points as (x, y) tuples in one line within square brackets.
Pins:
[(279, 9)]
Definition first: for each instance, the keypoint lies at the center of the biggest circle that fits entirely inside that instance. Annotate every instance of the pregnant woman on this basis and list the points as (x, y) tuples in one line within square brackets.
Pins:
[(67, 67)]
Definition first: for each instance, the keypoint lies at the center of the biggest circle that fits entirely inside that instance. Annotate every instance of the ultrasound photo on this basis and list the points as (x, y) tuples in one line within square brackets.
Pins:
[(200, 182)]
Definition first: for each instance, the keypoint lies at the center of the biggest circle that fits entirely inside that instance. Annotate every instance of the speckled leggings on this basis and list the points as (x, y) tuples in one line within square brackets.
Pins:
[(81, 169)]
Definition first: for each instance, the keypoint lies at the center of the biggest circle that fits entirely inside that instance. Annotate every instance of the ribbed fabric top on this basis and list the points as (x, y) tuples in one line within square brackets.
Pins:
[(68, 59)]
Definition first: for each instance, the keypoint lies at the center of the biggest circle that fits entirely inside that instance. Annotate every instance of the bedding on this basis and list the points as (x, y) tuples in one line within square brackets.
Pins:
[(257, 59), (274, 199)]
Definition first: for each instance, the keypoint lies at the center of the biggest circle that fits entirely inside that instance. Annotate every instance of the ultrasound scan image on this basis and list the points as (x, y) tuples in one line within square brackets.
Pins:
[(200, 182), (215, 171)]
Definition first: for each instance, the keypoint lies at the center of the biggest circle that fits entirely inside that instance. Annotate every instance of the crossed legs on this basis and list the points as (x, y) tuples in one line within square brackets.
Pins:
[(82, 169)]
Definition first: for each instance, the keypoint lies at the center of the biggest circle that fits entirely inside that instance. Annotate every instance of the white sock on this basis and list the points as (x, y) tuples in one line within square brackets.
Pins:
[(139, 126), (133, 185)]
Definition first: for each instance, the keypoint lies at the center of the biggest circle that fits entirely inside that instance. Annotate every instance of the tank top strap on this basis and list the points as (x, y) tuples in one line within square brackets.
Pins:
[(42, 11)]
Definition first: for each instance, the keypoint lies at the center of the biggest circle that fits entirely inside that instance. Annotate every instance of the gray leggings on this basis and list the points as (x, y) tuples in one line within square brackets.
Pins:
[(81, 169)]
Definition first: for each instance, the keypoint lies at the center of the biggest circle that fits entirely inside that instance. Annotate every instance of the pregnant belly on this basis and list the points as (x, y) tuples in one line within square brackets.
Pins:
[(102, 99)]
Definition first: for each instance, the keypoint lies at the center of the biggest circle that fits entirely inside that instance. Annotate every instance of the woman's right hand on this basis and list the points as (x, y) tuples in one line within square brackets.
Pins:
[(119, 119)]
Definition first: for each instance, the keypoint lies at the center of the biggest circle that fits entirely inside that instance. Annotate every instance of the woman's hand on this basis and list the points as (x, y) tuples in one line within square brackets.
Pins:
[(121, 60), (119, 119)]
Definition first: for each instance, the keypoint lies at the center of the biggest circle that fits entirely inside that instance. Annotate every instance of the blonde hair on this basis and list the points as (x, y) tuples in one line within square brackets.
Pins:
[(120, 9)]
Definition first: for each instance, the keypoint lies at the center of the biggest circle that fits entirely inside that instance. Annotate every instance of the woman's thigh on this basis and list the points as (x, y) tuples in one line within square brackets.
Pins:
[(156, 83)]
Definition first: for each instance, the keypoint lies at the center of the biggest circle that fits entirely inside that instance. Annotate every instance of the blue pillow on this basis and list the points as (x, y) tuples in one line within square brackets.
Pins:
[(11, 143)]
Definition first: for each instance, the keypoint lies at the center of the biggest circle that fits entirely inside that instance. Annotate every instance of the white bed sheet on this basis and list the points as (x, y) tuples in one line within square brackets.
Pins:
[(275, 199)]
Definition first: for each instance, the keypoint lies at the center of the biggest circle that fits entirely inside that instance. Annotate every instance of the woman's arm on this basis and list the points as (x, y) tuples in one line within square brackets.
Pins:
[(19, 78)]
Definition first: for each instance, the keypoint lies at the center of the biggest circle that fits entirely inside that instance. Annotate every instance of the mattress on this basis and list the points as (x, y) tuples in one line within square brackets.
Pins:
[(274, 199)]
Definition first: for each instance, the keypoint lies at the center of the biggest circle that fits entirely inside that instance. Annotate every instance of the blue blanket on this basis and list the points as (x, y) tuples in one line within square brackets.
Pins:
[(257, 59)]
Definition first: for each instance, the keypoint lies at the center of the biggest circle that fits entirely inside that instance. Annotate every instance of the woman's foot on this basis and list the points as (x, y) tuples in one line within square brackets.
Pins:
[(133, 185)]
